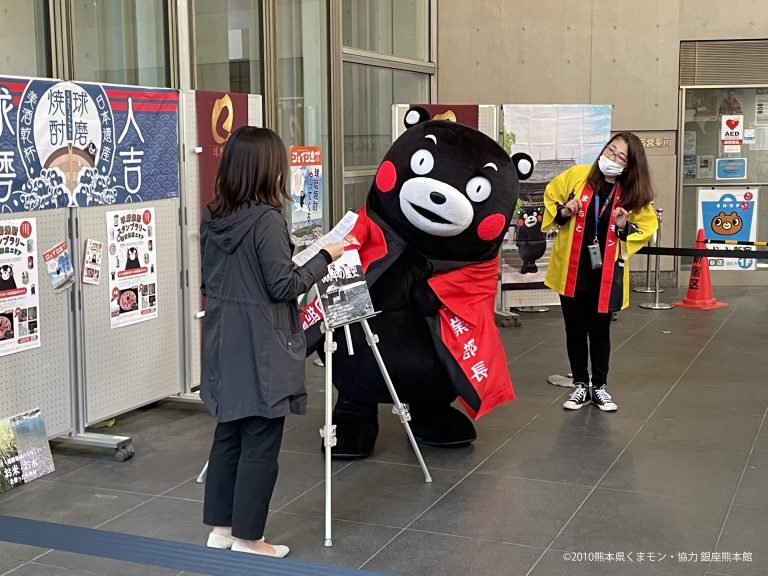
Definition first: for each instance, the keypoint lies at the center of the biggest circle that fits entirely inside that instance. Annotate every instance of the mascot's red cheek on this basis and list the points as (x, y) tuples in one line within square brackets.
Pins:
[(491, 227), (386, 177)]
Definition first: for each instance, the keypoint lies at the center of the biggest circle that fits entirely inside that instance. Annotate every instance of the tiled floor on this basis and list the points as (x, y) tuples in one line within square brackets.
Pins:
[(680, 470)]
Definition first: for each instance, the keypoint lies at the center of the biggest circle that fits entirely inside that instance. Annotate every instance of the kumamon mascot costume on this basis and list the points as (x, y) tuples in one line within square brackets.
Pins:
[(429, 238)]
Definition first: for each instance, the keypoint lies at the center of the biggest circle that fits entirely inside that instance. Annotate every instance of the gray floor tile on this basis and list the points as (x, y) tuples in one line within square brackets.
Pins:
[(101, 566), (164, 518), (709, 395), (452, 556), (69, 503), (33, 569), (353, 542), (761, 446), (560, 456), (157, 466), (744, 532), (519, 511), (613, 521), (701, 430), (13, 555), (378, 493), (590, 421), (674, 471), (754, 485), (555, 563)]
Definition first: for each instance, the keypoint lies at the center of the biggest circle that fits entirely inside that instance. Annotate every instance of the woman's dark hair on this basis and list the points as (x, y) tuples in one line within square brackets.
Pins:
[(253, 170), (636, 189)]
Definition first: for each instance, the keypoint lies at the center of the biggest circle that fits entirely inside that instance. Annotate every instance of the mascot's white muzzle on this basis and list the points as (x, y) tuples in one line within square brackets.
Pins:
[(435, 207)]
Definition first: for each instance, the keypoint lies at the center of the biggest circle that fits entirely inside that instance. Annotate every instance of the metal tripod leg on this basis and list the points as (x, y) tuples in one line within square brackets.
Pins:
[(328, 431), (399, 408)]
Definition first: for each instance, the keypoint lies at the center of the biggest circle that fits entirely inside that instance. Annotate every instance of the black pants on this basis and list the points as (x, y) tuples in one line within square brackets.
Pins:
[(242, 471), (588, 337)]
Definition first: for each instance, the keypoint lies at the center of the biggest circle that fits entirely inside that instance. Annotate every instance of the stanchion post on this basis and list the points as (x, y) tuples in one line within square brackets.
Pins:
[(656, 305)]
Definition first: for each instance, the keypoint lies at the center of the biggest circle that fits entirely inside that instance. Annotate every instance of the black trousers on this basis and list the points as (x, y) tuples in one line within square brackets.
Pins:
[(242, 471), (588, 337)]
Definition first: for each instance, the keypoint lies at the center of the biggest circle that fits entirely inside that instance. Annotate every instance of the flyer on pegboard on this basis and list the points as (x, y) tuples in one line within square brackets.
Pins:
[(19, 298), (132, 266), (59, 265), (92, 262)]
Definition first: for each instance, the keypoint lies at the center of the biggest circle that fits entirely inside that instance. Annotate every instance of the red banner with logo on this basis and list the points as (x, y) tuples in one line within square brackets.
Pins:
[(218, 115)]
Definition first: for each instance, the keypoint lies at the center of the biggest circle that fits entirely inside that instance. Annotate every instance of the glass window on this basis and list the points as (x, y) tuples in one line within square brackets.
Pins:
[(392, 27), (25, 53), (228, 45), (356, 191), (302, 77), (369, 93), (121, 42), (725, 164)]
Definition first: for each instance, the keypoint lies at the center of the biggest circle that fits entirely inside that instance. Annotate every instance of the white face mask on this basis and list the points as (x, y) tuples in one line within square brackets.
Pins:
[(608, 166)]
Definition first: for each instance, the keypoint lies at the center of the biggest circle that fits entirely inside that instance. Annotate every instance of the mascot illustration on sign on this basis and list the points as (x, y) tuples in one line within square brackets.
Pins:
[(429, 238), (531, 241)]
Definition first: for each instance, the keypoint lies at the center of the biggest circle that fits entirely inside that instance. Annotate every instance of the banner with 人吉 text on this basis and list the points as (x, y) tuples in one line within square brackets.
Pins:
[(69, 144)]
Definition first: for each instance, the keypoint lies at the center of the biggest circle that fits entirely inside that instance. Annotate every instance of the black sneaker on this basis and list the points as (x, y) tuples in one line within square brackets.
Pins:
[(578, 398), (603, 400)]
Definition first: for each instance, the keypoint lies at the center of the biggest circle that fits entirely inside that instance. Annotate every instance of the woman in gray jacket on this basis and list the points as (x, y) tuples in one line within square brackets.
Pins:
[(253, 344)]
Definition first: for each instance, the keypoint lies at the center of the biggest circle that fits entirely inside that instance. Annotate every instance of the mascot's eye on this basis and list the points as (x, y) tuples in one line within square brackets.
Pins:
[(478, 189), (718, 222), (422, 162), (735, 221)]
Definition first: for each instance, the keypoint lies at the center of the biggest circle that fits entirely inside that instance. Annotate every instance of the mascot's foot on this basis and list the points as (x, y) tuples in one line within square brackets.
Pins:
[(441, 425), (357, 426)]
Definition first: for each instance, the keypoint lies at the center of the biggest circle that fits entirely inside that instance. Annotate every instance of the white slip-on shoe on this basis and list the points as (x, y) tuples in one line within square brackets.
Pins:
[(217, 541), (281, 551)]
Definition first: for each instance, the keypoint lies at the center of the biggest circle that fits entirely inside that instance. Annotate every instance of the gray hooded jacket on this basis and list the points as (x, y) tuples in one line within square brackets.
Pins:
[(253, 344)]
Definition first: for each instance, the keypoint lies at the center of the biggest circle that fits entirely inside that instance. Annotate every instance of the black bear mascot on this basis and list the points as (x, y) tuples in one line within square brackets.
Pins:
[(429, 238)]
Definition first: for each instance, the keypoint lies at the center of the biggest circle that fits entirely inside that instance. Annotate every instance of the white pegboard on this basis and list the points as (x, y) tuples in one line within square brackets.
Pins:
[(40, 378), (487, 120), (131, 366), (192, 225)]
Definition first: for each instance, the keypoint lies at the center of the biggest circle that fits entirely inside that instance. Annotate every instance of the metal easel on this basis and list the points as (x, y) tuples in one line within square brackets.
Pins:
[(328, 431)]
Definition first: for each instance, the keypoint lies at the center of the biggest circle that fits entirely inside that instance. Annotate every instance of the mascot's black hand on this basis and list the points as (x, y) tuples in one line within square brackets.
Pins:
[(424, 299)]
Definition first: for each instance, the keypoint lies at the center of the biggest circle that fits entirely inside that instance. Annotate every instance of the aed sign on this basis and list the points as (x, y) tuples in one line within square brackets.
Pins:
[(732, 129)]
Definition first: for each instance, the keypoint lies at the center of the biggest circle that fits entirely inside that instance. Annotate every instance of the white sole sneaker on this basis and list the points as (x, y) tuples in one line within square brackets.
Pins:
[(568, 405)]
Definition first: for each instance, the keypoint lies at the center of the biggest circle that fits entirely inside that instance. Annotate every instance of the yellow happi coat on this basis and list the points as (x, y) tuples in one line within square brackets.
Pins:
[(573, 181)]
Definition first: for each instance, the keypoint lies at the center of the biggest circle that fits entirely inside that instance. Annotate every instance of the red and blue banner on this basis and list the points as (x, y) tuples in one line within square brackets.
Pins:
[(70, 144)]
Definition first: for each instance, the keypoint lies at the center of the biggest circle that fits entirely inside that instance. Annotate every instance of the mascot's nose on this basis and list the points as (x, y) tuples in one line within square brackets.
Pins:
[(437, 198)]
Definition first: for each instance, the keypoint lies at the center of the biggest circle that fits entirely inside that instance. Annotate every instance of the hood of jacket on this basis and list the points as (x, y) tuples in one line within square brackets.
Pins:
[(228, 232)]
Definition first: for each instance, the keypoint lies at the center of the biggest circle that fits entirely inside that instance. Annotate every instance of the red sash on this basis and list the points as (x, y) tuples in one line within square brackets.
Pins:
[(609, 255)]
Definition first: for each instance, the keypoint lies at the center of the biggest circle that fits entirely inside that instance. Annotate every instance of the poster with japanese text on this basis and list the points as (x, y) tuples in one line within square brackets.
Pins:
[(24, 450), (59, 265), (556, 137), (306, 189), (132, 256), (92, 262), (19, 297), (344, 291), (68, 144), (729, 215)]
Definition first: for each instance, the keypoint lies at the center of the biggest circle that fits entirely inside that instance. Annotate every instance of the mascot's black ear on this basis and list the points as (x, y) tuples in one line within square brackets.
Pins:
[(523, 164), (415, 115)]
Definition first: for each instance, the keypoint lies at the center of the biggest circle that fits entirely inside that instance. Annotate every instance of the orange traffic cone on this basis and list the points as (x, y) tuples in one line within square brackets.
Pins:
[(699, 286)]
